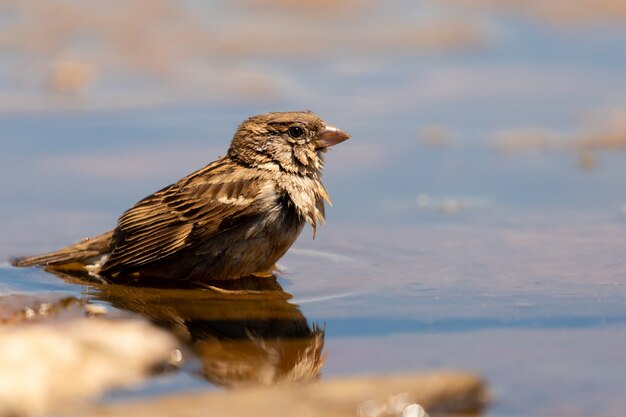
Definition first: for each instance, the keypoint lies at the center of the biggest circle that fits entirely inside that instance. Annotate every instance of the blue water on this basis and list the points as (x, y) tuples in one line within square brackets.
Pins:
[(512, 257)]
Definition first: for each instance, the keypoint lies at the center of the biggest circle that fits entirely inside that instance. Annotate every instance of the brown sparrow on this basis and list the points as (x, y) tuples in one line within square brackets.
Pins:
[(235, 217)]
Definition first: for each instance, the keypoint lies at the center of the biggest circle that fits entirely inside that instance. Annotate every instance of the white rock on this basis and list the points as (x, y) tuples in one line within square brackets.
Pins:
[(47, 367)]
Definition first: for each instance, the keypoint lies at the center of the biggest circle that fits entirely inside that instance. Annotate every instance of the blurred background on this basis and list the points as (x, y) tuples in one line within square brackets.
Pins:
[(478, 207), (120, 97)]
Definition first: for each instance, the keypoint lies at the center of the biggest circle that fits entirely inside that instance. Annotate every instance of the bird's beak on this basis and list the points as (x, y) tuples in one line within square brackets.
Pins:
[(331, 136)]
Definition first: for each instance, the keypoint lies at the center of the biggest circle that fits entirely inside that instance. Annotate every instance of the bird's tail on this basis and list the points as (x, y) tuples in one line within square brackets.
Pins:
[(82, 252)]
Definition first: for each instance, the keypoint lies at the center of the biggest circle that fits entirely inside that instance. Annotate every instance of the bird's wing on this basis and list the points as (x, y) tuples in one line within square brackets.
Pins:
[(214, 199)]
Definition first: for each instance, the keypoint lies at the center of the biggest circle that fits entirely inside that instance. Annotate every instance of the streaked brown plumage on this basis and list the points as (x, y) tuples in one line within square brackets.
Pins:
[(237, 216)]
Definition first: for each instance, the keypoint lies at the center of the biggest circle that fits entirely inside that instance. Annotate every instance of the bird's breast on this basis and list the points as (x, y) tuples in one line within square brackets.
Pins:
[(306, 194)]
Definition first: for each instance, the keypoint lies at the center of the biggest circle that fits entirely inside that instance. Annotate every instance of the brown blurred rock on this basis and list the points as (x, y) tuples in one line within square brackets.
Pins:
[(438, 393), (587, 159), (52, 357), (71, 76), (525, 140), (16, 308), (435, 136), (181, 49), (606, 132), (566, 11), (51, 367)]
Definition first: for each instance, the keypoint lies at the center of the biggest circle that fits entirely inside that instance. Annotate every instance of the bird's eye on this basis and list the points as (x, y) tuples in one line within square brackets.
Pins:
[(295, 131)]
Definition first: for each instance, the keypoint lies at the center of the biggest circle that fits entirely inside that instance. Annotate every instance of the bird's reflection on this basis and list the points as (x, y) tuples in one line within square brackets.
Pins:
[(245, 332)]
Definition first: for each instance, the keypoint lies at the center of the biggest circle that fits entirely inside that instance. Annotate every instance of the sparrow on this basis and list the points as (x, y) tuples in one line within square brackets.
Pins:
[(233, 218)]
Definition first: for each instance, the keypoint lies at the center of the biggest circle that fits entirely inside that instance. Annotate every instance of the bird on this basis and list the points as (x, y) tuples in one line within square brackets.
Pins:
[(233, 218)]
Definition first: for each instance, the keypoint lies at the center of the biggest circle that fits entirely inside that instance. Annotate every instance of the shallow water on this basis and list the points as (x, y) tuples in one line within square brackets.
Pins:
[(478, 211)]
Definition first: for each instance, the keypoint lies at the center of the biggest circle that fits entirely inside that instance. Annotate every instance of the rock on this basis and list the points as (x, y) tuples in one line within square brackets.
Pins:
[(442, 392), (52, 366), (16, 308)]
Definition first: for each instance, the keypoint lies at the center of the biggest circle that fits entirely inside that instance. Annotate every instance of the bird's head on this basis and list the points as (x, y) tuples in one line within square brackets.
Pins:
[(290, 141)]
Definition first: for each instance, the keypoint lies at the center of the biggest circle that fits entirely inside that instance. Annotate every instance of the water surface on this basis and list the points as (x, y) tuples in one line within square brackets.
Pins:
[(478, 211)]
